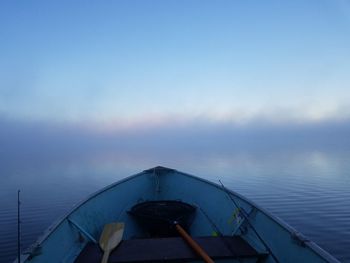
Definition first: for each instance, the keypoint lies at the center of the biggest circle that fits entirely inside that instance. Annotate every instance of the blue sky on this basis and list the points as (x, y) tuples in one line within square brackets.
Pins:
[(122, 62)]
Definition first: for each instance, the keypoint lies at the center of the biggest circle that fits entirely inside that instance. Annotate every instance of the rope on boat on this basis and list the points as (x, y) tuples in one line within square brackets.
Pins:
[(249, 223), (82, 230)]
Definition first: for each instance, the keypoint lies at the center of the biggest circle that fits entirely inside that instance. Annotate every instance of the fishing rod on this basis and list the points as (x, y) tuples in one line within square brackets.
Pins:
[(18, 228), (249, 223), (219, 233)]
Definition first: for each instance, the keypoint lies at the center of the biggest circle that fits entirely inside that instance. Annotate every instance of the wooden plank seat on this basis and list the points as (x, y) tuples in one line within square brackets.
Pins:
[(172, 249)]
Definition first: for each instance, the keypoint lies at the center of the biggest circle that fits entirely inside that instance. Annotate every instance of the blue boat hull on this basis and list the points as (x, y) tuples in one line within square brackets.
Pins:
[(219, 212)]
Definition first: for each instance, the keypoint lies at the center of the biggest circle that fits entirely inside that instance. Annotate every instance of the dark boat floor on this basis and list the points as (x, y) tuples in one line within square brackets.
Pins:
[(173, 249)]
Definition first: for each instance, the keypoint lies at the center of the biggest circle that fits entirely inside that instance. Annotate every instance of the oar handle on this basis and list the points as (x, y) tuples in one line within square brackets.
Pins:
[(193, 244), (105, 256)]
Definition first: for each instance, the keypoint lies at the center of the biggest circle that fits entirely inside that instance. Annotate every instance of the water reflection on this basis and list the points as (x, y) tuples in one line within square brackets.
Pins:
[(307, 189)]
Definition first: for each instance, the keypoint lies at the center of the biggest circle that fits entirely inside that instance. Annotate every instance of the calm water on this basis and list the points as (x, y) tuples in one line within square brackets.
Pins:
[(310, 190)]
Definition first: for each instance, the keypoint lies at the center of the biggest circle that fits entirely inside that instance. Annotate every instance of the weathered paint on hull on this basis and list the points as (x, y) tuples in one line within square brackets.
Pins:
[(216, 212)]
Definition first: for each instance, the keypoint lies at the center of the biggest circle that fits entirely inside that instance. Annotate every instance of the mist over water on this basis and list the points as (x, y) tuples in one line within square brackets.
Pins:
[(298, 172), (255, 93)]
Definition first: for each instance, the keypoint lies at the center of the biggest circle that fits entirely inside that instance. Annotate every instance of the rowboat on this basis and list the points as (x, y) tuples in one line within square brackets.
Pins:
[(164, 215)]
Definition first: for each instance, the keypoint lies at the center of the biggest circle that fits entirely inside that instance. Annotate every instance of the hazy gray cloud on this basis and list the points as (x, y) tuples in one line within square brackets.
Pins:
[(51, 140)]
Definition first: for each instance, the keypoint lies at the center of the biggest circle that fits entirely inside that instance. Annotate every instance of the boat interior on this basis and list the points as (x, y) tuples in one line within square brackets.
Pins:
[(160, 241)]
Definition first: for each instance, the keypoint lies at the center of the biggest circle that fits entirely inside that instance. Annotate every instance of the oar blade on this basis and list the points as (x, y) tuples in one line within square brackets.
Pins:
[(111, 236)]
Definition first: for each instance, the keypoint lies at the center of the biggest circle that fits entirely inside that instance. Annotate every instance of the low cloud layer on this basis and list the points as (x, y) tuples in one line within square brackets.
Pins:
[(48, 140)]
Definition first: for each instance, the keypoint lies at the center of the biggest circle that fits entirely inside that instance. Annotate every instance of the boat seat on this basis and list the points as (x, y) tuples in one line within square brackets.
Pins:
[(171, 249)]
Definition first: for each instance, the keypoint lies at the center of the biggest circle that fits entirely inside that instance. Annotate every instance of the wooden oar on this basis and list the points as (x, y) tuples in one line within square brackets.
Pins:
[(110, 238), (172, 214), (193, 244)]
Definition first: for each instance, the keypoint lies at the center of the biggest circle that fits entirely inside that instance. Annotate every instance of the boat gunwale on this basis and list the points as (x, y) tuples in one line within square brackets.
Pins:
[(309, 243), (60, 220), (293, 232)]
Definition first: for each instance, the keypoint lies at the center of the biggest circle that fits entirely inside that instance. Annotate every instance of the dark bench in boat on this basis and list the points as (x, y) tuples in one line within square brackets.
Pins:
[(171, 249)]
